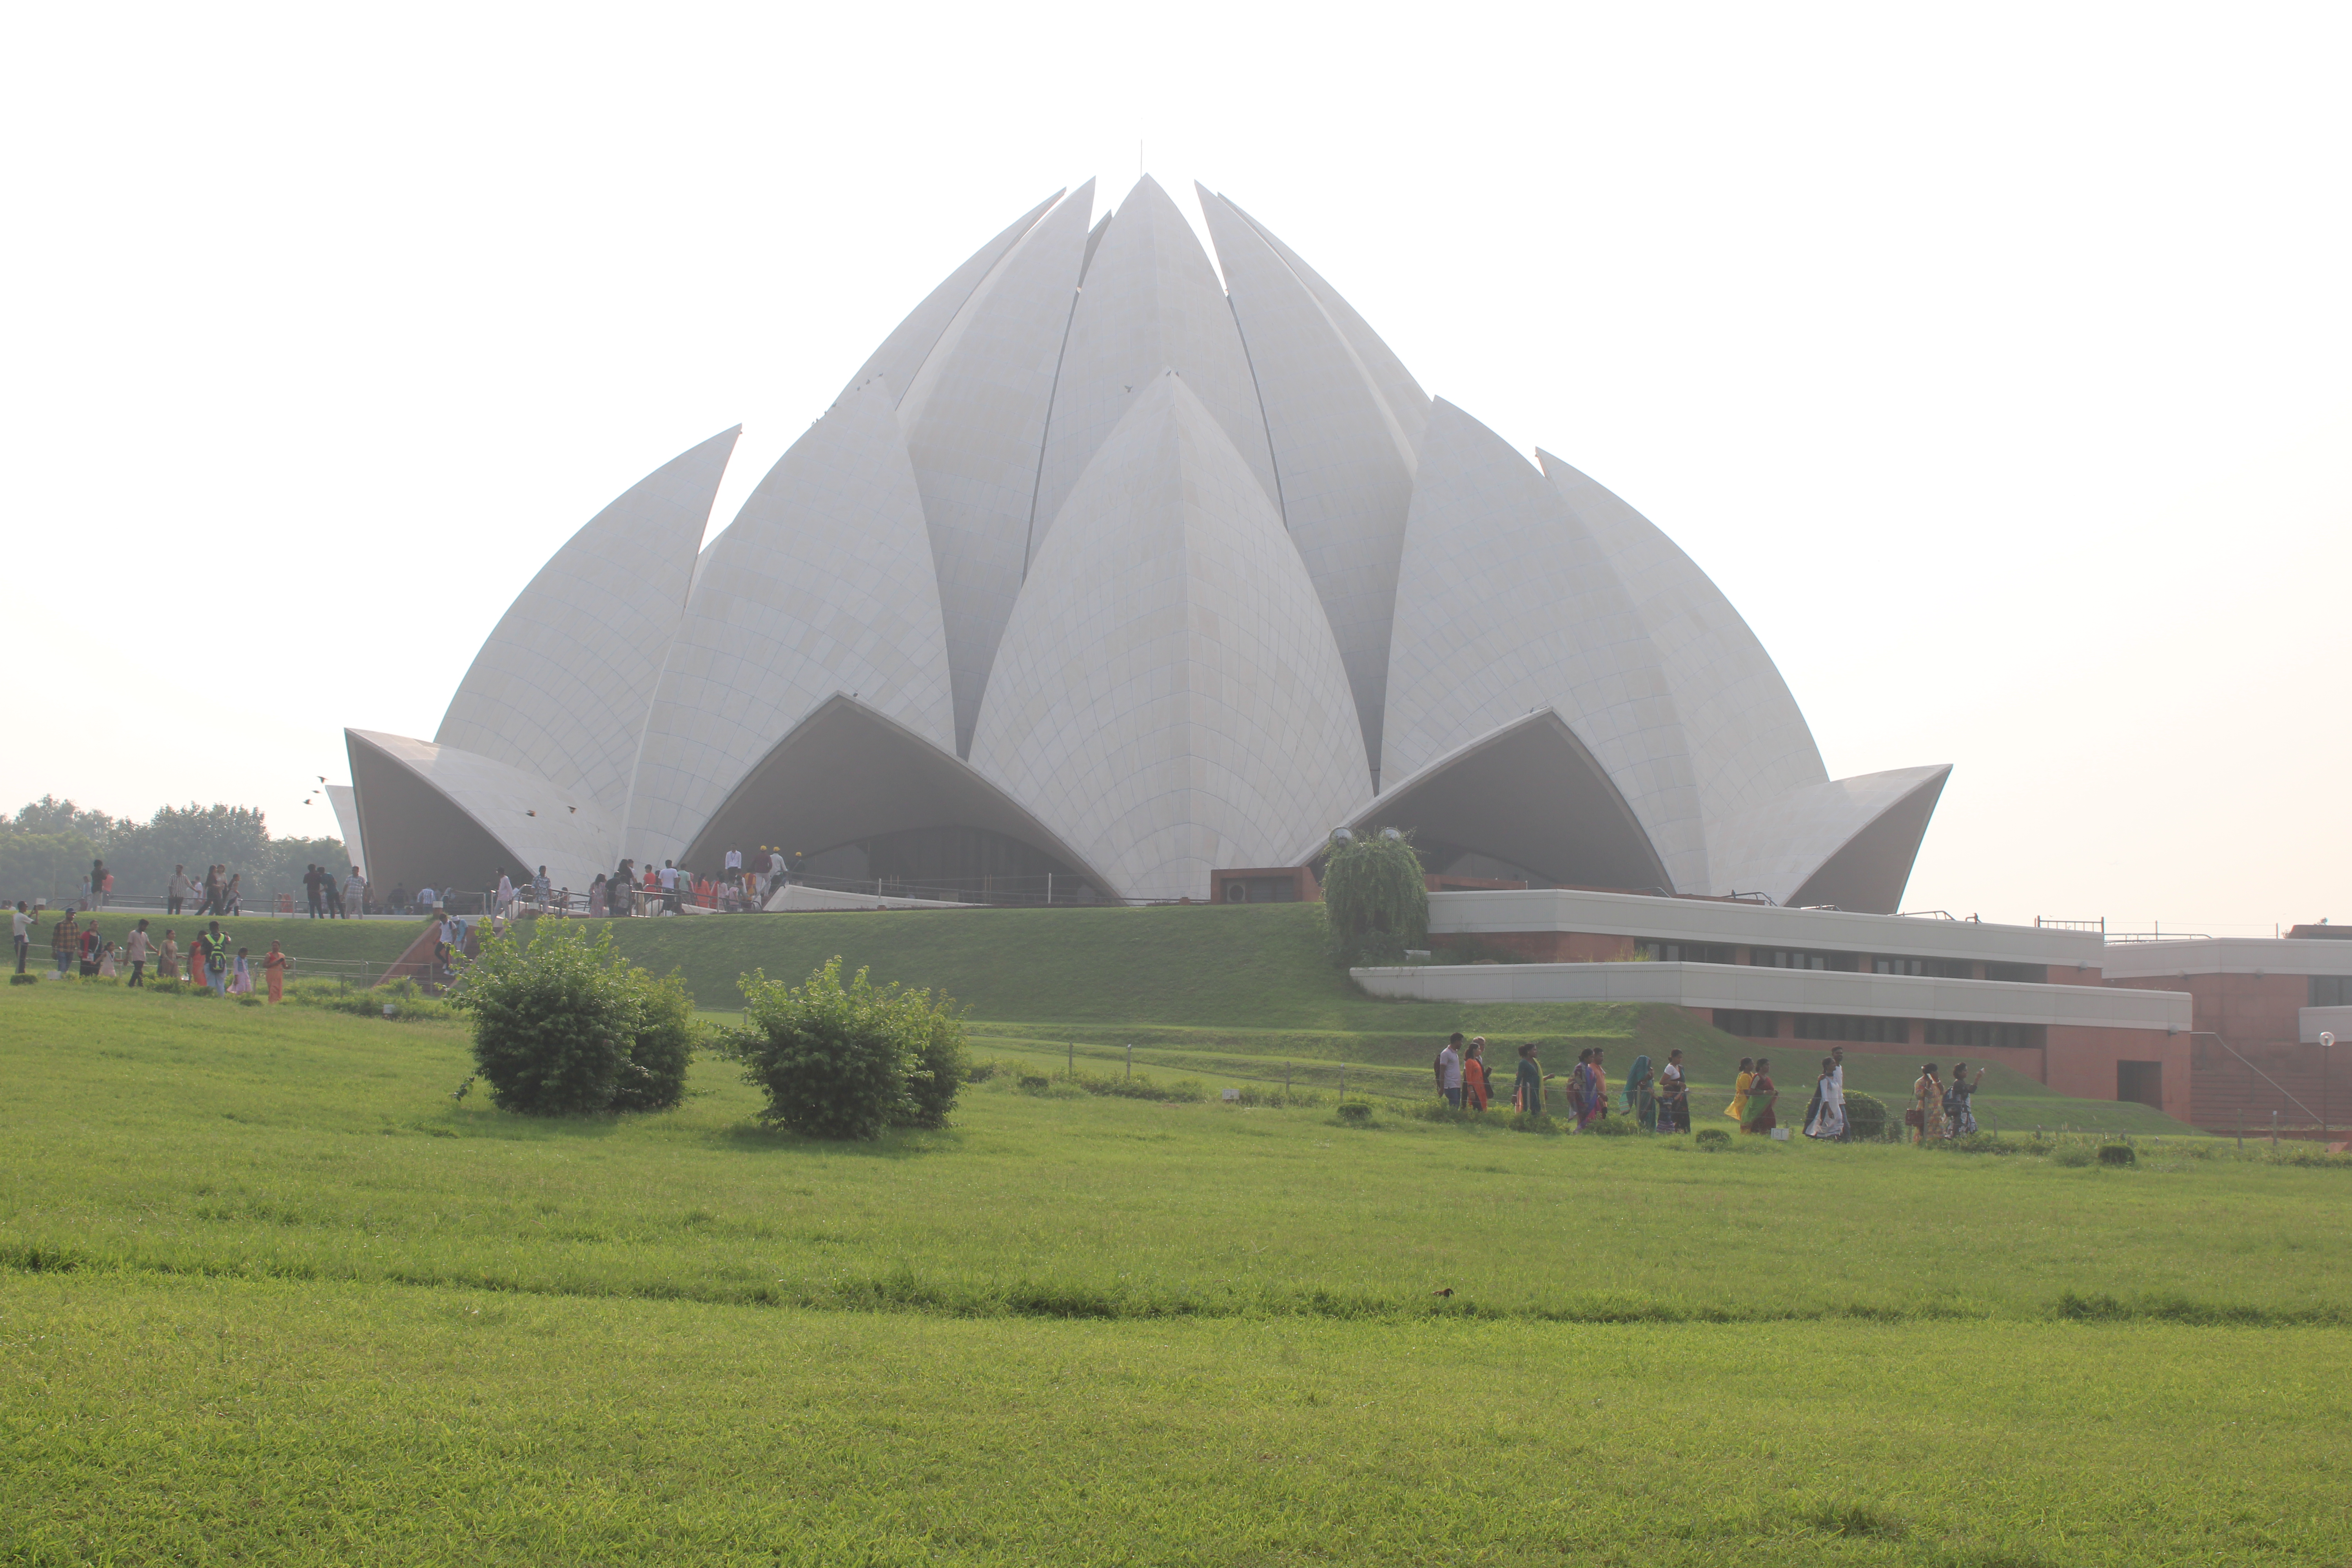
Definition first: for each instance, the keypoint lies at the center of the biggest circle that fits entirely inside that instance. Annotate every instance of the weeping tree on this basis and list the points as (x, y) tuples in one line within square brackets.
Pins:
[(1374, 900)]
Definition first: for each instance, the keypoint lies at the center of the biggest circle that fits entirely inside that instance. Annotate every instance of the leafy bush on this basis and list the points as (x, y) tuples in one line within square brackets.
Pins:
[(1035, 1083), (849, 1059), (24, 979), (1356, 1113), (1375, 900), (1865, 1118), (1711, 1138), (1137, 1087), (2070, 1154), (981, 1071), (567, 1027), (2117, 1154)]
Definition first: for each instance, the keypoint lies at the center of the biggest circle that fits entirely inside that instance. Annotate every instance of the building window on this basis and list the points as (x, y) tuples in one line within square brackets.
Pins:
[(1747, 1026), (2331, 991), (1685, 952), (1986, 1036), (1869, 1031), (1790, 958), (2028, 973), (1932, 968)]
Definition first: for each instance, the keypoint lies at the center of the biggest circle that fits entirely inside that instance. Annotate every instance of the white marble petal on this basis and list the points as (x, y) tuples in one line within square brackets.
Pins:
[(1150, 302), (823, 584), (562, 686), (1505, 604), (1343, 463), (910, 344), (1168, 698), (1397, 387), (1749, 743), (443, 816), (1783, 846), (975, 424)]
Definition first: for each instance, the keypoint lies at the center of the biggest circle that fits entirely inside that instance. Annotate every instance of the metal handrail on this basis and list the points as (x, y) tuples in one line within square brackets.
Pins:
[(2260, 1074)]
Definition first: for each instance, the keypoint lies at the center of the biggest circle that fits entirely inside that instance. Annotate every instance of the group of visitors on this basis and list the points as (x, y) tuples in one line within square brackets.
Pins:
[(1940, 1111), (218, 894), (84, 950), (668, 889), (332, 898)]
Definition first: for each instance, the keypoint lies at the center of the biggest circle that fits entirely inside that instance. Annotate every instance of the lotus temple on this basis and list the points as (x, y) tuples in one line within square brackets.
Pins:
[(1125, 574)]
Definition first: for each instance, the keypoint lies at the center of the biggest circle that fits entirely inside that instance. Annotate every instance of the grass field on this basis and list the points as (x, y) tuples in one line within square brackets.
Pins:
[(268, 1294)]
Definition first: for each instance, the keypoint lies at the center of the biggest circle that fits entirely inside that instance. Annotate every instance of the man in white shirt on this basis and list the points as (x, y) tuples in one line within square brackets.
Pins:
[(668, 876), (1449, 1072), (426, 901), (139, 947), (355, 894), (22, 922), (1833, 1093), (183, 887)]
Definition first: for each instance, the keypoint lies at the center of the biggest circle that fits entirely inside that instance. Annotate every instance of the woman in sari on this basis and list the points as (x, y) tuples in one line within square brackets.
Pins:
[(196, 963), (1641, 1099), (1596, 1093), (241, 984), (1761, 1097), (1738, 1109), (1825, 1118), (1926, 1116), (167, 959), (1474, 1074), (273, 964), (1526, 1088)]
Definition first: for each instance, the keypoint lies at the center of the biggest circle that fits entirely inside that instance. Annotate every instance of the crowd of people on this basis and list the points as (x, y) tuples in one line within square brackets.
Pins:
[(76, 949), (668, 889), (1658, 1099)]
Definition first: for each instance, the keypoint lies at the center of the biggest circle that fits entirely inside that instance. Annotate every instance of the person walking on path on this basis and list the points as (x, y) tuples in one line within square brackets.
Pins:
[(92, 947), (1673, 1096), (1825, 1117), (1761, 1097), (1926, 1114), (1738, 1109), (1640, 1099), (1960, 1112), (179, 890), (273, 966), (1527, 1087), (234, 898), (327, 891), (167, 961), (1449, 1072), (505, 893), (1474, 1074), (105, 959), (137, 947), (213, 948), (542, 887), (99, 880), (242, 985), (21, 925), (354, 895), (1591, 1090), (310, 896)]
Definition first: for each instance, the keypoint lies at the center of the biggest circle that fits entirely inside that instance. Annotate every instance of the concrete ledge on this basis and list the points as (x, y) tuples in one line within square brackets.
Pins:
[(794, 896), (1786, 991)]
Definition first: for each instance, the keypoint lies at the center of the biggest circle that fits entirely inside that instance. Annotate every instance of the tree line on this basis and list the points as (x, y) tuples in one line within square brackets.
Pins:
[(46, 849)]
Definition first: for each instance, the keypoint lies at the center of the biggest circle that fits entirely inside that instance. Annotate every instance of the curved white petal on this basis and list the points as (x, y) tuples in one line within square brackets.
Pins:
[(1150, 302), (975, 424), (441, 816), (562, 686), (823, 584), (902, 354), (1505, 604), (1343, 462), (1749, 743), (1848, 842), (1397, 387), (1168, 698)]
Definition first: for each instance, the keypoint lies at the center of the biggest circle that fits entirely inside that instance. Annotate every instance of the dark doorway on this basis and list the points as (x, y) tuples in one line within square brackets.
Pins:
[(2140, 1081)]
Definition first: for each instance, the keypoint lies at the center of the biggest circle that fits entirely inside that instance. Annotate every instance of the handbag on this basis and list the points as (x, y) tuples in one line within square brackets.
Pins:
[(1915, 1117)]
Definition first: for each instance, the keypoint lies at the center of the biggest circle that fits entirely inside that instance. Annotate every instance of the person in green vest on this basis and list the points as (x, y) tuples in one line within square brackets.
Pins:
[(216, 960)]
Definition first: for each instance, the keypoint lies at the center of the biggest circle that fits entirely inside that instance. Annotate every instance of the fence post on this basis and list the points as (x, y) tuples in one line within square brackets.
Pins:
[(1130, 1052), (1049, 887), (1070, 1069), (2242, 1127), (1343, 1081), (2273, 1130), (1286, 1080)]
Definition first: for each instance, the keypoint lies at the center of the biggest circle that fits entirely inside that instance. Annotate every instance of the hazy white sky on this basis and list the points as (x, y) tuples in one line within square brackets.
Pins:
[(1992, 358)]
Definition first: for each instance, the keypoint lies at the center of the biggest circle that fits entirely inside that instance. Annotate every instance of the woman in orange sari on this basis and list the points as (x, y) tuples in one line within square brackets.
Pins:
[(1474, 1075), (197, 966), (1738, 1109), (273, 964)]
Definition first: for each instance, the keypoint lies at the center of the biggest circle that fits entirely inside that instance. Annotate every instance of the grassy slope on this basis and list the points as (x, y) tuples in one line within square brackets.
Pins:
[(242, 1254)]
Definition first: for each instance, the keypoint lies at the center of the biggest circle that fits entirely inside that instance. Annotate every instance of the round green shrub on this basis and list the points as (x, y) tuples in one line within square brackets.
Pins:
[(2117, 1155), (1711, 1138), (848, 1059), (1355, 1112), (566, 1027), (1865, 1118)]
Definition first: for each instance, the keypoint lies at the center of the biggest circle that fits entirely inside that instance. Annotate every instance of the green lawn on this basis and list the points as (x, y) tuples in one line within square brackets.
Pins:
[(268, 1294)]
